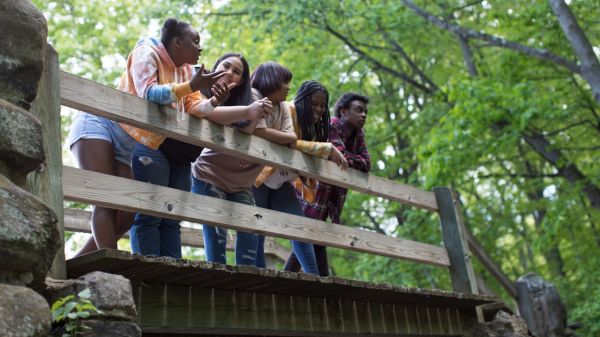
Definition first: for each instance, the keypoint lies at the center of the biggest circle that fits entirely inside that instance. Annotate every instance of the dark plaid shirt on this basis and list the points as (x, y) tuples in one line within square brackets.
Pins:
[(329, 199)]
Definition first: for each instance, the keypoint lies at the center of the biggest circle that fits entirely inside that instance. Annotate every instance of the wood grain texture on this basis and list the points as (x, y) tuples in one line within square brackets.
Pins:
[(77, 220), (45, 182), (203, 274), (170, 309), (86, 95), (455, 241), (125, 194)]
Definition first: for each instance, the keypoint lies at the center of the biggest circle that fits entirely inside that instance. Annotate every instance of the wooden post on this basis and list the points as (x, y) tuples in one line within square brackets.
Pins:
[(455, 241), (46, 182)]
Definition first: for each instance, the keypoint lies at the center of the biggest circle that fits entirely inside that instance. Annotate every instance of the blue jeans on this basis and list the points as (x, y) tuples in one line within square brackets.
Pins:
[(152, 235), (284, 200), (215, 238)]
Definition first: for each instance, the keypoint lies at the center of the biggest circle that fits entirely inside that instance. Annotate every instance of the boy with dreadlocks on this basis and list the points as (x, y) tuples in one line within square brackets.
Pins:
[(347, 135), (273, 189)]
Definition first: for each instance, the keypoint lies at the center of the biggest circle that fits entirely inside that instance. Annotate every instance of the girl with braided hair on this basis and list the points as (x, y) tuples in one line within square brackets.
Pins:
[(274, 189)]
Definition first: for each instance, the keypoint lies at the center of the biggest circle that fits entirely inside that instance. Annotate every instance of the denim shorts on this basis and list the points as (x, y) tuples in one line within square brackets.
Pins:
[(88, 126)]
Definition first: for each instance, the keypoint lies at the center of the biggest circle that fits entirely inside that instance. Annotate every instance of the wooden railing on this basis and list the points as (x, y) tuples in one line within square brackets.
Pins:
[(125, 194), (78, 221)]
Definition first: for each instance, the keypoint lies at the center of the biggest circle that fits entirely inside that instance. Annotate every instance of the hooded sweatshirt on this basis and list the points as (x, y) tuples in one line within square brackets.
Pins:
[(152, 75)]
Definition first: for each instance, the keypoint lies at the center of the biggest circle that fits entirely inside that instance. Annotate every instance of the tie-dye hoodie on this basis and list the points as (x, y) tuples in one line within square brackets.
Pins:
[(152, 75)]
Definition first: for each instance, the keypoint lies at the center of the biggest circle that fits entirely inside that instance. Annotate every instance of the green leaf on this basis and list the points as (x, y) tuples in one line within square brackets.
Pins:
[(85, 294), (69, 307), (57, 314)]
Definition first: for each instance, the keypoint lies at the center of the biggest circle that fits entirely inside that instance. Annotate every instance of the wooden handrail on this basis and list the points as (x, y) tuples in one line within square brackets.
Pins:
[(77, 220), (491, 266), (92, 97), (130, 195), (86, 95)]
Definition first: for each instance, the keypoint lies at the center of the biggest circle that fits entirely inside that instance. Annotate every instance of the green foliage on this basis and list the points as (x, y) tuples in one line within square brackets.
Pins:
[(589, 312), (68, 311)]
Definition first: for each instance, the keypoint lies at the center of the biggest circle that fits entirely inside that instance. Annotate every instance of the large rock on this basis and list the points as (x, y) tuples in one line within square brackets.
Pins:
[(541, 307), (29, 237), (22, 50), (21, 140), (98, 328), (23, 312), (110, 293), (503, 325)]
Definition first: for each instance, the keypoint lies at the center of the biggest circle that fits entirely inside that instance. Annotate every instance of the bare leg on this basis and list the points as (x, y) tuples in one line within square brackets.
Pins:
[(124, 219), (99, 156)]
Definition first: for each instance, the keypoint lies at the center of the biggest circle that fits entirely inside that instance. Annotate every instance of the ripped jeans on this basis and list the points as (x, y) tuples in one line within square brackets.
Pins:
[(215, 238), (152, 235)]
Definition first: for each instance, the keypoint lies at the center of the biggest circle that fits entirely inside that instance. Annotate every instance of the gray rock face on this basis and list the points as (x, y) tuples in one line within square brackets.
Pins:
[(100, 328), (21, 142), (23, 312), (110, 293), (503, 325), (541, 306), (22, 50), (29, 237)]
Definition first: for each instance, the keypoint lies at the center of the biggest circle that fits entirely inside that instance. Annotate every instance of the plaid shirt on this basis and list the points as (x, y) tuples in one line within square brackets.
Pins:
[(329, 199)]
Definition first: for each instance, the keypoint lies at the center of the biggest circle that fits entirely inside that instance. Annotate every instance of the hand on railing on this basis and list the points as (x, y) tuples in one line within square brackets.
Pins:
[(337, 157), (205, 80)]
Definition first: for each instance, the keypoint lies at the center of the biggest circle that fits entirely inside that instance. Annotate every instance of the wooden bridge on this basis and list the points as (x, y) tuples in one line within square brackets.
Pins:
[(200, 298)]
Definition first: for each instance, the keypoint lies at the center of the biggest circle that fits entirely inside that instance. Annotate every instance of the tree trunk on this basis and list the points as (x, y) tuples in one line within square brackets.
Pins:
[(497, 41), (565, 168), (590, 67)]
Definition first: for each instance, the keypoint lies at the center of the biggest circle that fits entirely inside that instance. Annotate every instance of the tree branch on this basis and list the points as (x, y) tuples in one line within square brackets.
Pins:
[(590, 67), (376, 63), (580, 148), (398, 48), (555, 132), (517, 175), (467, 55), (565, 167), (376, 226), (590, 103), (541, 54)]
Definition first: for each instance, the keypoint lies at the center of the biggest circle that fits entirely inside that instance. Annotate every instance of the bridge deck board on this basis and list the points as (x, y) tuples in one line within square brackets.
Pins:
[(201, 298)]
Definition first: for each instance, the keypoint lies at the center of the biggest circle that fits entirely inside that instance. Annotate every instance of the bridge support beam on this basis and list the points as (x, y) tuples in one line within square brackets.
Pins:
[(180, 309)]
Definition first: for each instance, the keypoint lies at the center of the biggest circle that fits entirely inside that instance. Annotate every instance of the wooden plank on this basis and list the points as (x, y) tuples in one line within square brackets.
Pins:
[(201, 309), (45, 182), (455, 241), (77, 220), (491, 266), (186, 273), (130, 195), (86, 95)]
